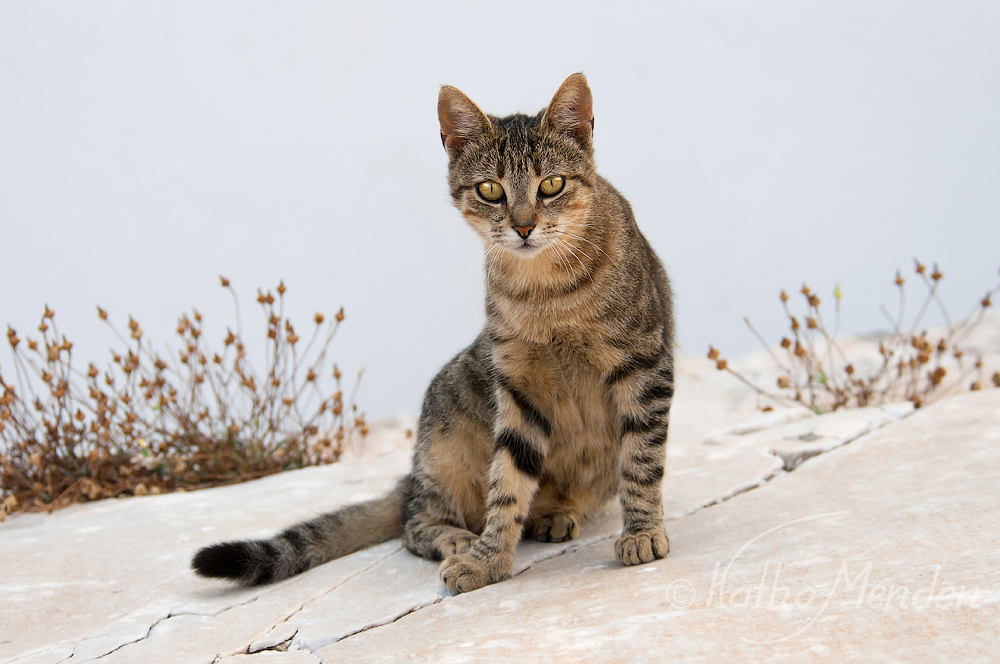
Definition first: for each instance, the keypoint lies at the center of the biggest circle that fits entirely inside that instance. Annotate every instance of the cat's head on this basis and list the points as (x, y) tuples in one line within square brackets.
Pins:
[(524, 183)]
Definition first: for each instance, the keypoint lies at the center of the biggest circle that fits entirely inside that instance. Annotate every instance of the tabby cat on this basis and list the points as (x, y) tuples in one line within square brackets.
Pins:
[(562, 401)]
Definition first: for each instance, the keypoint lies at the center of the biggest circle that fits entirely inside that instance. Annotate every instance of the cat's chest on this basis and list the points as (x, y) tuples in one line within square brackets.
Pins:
[(562, 378)]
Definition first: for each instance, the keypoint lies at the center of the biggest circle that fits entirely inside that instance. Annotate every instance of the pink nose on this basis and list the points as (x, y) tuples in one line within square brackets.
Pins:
[(523, 231)]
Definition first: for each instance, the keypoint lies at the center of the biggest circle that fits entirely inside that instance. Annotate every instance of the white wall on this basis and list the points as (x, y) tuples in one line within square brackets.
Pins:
[(147, 148)]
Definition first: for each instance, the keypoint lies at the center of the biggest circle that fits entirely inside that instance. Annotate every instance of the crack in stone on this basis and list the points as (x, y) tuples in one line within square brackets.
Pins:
[(274, 625), (142, 638), (440, 598), (172, 613), (791, 461)]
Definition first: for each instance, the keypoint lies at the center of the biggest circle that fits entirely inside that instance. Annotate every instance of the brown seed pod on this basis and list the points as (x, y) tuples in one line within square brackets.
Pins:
[(811, 323), (783, 382), (786, 342), (281, 287), (318, 318), (976, 386), (996, 379), (712, 353), (225, 282), (899, 279), (720, 364)]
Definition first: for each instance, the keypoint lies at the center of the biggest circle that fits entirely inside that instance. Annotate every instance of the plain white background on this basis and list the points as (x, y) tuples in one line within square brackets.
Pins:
[(146, 148)]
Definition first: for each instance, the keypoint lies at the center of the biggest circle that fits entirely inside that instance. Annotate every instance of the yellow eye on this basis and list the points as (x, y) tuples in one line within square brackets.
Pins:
[(491, 191), (551, 186)]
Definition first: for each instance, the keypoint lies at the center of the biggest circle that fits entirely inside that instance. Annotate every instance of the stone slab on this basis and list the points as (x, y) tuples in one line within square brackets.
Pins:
[(886, 549), (110, 581)]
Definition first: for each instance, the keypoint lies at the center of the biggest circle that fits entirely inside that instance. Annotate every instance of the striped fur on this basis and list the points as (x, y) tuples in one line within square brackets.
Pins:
[(560, 404)]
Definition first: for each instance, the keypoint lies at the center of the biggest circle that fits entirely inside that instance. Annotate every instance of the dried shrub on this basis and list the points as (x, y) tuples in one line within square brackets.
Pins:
[(151, 423), (814, 371)]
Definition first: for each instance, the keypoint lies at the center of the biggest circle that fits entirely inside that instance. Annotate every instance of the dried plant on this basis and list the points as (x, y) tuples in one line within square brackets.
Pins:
[(814, 371), (150, 423)]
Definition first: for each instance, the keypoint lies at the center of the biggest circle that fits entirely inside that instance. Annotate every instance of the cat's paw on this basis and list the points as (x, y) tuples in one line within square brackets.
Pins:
[(556, 527), (465, 572), (644, 546), (455, 542)]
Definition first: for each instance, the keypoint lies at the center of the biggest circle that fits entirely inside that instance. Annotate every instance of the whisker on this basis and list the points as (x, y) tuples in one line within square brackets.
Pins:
[(561, 256), (579, 237), (562, 243)]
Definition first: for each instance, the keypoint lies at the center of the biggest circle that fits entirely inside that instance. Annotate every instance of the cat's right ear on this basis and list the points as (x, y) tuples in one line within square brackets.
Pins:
[(461, 120)]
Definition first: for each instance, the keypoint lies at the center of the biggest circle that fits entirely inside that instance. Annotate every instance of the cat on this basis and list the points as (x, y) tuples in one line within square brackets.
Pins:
[(561, 403)]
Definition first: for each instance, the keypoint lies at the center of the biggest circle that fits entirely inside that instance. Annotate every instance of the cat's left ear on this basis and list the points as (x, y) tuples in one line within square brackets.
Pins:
[(571, 111)]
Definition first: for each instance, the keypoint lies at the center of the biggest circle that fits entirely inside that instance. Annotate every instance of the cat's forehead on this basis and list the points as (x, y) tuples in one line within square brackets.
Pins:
[(520, 145)]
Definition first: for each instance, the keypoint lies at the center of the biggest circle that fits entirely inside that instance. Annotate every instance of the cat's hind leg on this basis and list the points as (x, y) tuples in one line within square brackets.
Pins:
[(436, 539), (553, 518)]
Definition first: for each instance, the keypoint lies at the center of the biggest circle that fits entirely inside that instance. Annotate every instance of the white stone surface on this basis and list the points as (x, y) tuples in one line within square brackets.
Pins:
[(913, 493)]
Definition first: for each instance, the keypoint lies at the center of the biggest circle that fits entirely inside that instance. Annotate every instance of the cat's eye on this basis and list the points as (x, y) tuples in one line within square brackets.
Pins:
[(551, 186), (491, 191)]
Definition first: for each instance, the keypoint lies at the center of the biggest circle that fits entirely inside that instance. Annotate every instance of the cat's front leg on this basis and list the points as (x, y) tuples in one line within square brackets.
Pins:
[(642, 388), (521, 441)]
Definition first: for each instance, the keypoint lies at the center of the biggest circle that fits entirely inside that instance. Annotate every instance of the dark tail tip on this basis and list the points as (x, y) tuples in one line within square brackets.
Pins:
[(229, 560)]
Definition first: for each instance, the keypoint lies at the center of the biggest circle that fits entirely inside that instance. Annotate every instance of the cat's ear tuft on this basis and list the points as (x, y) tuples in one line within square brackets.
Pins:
[(571, 110), (461, 120)]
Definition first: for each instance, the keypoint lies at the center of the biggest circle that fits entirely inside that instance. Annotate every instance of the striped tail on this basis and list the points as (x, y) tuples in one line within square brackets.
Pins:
[(305, 545)]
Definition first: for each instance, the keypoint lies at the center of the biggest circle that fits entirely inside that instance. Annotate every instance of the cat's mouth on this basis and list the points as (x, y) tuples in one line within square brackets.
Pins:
[(526, 248)]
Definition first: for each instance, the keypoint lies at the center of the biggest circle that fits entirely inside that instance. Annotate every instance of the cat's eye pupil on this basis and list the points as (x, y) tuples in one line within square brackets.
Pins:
[(551, 186), (491, 191)]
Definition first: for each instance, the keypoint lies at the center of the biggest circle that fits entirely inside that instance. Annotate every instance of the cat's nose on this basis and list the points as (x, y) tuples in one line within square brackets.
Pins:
[(524, 231)]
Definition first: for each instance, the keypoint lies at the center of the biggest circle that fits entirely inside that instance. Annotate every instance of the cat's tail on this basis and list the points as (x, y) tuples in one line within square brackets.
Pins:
[(307, 544)]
